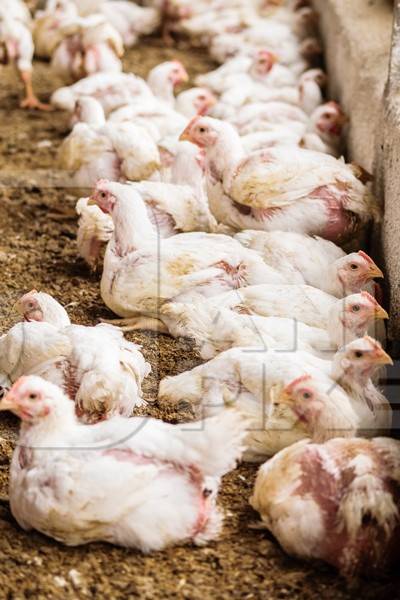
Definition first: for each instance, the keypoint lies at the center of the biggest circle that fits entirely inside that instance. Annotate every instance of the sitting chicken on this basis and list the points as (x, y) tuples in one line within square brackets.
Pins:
[(97, 148), (119, 481), (171, 208), (280, 188), (90, 45), (114, 90), (16, 47), (165, 78), (355, 369), (216, 329), (142, 272), (323, 133), (254, 382), (313, 261), (47, 26), (167, 121), (129, 19), (267, 116), (336, 502), (98, 369)]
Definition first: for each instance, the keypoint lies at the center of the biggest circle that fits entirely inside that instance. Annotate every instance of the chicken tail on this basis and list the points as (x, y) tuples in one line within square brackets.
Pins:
[(370, 518), (217, 442)]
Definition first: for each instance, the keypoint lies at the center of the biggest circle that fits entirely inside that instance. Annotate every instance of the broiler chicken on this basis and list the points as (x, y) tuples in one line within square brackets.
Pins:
[(254, 382), (289, 189), (90, 45), (47, 26), (171, 208), (129, 19), (337, 502), (323, 132), (16, 47), (216, 328), (96, 367), (118, 481), (97, 148), (141, 272), (305, 259), (114, 90)]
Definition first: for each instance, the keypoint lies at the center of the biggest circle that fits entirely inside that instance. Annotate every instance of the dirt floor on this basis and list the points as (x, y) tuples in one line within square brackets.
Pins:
[(37, 250)]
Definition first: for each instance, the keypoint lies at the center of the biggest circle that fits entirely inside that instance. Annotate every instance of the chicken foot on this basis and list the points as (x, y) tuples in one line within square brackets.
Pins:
[(137, 323), (31, 100)]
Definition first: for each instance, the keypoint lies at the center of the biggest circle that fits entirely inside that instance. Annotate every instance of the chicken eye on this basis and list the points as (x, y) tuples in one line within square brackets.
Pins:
[(103, 195), (33, 396), (202, 97), (202, 129), (356, 308), (358, 354), (353, 266), (307, 395)]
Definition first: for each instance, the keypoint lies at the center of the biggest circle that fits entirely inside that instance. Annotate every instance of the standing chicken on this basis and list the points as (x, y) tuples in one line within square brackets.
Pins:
[(119, 481), (16, 47), (337, 502), (290, 189)]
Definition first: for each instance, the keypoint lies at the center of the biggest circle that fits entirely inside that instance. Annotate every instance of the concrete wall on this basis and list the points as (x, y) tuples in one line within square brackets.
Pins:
[(364, 76)]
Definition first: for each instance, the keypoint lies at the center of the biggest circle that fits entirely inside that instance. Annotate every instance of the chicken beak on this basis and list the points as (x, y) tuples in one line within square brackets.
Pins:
[(382, 358), (9, 402), (185, 136), (278, 394), (374, 272), (91, 201), (380, 313)]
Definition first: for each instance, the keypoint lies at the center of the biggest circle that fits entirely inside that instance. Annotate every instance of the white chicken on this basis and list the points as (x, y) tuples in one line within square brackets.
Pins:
[(171, 208), (47, 26), (141, 272), (16, 47), (167, 121), (335, 502), (97, 148), (254, 382), (164, 78), (217, 328), (323, 133), (90, 45), (114, 90), (151, 467), (128, 18), (97, 368), (314, 261), (289, 189)]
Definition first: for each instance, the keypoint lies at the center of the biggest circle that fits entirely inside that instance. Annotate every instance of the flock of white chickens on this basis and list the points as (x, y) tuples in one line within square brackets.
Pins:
[(221, 208)]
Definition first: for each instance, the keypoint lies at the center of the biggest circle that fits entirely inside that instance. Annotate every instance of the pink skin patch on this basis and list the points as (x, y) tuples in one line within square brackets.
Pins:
[(340, 222), (237, 274), (195, 477)]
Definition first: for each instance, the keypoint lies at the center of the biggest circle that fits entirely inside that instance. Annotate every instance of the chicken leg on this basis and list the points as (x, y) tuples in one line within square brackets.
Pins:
[(30, 100), (137, 323)]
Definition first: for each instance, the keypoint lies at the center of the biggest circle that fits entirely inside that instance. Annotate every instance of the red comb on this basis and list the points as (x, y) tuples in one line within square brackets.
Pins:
[(295, 382), (368, 296), (365, 255)]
